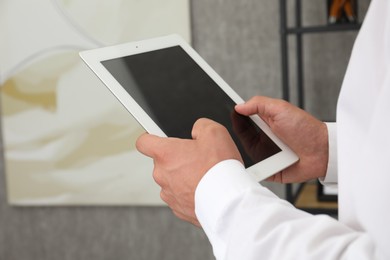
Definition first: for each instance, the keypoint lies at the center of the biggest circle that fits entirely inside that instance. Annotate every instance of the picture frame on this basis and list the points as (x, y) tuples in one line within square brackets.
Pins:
[(326, 194)]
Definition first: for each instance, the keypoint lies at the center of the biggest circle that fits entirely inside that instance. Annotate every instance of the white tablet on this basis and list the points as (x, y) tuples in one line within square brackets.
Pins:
[(167, 86)]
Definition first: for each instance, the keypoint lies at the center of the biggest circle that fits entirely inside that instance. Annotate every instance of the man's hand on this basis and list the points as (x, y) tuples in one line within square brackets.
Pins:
[(180, 164), (303, 133)]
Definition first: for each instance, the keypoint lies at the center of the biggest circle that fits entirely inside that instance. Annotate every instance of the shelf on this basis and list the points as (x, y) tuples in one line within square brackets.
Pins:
[(307, 200), (305, 197), (323, 28)]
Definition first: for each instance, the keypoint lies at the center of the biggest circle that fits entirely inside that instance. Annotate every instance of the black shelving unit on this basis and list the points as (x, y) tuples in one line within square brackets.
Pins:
[(298, 31)]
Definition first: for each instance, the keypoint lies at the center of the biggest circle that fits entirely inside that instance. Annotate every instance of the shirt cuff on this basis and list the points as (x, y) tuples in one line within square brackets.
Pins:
[(331, 173), (217, 188)]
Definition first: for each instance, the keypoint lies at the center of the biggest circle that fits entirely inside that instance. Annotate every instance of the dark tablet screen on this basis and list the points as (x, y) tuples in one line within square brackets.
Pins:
[(175, 91)]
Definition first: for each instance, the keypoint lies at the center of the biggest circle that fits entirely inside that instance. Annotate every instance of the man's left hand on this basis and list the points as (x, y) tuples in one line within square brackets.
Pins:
[(180, 164)]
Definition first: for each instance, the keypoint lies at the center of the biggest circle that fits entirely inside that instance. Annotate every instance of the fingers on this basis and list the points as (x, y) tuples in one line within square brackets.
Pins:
[(255, 105), (265, 107), (178, 211), (200, 125), (194, 221)]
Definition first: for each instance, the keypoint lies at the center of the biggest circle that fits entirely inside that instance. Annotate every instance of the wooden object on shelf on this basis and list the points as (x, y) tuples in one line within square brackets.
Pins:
[(307, 200)]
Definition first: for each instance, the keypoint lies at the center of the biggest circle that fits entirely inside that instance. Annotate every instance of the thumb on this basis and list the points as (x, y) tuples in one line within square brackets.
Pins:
[(267, 108), (147, 144)]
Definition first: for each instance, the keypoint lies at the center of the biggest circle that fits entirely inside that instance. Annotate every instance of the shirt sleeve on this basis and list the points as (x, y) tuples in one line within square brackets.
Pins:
[(330, 178), (244, 220)]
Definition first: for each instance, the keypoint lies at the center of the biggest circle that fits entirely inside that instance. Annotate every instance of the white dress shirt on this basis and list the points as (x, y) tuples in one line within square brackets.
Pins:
[(243, 220)]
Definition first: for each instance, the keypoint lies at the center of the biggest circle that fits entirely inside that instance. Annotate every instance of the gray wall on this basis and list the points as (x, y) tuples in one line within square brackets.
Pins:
[(240, 39)]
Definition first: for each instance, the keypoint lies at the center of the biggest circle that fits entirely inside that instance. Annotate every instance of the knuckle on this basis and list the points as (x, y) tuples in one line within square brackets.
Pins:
[(164, 196), (179, 215), (256, 99), (199, 123), (158, 178), (283, 103), (216, 129)]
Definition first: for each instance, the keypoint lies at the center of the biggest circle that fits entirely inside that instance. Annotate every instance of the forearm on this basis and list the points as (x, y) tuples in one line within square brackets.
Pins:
[(244, 220)]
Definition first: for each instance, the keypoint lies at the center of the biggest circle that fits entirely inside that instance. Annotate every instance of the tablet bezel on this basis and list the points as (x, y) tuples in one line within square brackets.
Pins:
[(93, 59)]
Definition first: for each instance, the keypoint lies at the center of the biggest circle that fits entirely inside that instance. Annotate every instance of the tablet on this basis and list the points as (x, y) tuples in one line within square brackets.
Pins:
[(167, 86)]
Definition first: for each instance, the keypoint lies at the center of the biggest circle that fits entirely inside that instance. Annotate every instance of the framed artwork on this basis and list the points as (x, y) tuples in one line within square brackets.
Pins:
[(326, 193), (66, 139)]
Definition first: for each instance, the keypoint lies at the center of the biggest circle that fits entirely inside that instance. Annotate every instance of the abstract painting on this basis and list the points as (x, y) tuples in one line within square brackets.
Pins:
[(66, 139)]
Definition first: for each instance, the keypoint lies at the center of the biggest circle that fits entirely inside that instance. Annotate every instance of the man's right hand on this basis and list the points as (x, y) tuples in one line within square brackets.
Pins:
[(303, 133)]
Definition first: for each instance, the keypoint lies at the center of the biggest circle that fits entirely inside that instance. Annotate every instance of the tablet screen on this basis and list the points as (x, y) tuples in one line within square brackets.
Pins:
[(175, 91)]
